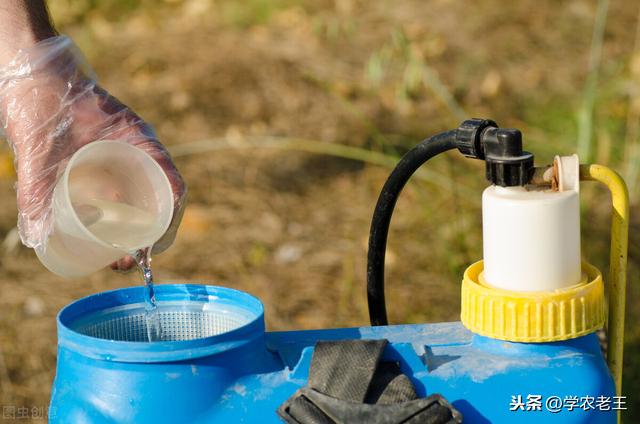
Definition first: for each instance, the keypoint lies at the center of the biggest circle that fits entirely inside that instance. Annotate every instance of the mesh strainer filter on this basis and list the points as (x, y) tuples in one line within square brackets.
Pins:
[(178, 320)]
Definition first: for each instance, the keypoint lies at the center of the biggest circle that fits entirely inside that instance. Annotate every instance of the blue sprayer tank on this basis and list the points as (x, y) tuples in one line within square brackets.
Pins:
[(525, 350), (242, 375)]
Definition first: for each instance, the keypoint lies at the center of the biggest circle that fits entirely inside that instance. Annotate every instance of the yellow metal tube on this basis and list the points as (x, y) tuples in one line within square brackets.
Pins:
[(617, 263)]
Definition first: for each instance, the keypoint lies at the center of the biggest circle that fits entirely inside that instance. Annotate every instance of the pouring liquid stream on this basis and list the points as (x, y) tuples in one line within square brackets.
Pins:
[(124, 226), (152, 317)]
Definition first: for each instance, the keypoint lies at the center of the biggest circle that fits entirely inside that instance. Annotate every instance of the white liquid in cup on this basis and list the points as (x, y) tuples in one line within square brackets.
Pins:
[(119, 224)]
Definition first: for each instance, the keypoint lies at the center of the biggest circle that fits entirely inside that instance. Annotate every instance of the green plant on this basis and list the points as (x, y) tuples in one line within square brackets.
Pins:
[(585, 113)]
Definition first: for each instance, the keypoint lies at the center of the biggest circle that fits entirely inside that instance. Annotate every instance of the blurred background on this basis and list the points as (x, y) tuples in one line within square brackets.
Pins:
[(286, 116)]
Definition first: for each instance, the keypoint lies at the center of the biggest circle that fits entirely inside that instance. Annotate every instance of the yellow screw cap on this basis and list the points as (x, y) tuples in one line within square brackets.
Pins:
[(533, 316)]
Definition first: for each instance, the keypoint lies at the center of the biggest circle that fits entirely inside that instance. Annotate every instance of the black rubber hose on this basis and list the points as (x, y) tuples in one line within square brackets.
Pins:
[(407, 166)]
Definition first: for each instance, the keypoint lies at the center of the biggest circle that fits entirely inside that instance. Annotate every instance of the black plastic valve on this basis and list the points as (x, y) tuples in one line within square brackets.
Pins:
[(507, 165)]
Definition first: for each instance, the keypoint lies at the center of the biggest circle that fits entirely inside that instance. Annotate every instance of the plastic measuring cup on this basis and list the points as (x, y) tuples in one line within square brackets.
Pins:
[(112, 199)]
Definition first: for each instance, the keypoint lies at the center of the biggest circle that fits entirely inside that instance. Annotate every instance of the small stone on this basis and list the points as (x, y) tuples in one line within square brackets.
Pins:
[(288, 253), (34, 306)]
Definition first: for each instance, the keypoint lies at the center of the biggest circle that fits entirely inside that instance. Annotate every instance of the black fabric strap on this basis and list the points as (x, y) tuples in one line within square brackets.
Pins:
[(389, 385), (348, 385), (345, 369)]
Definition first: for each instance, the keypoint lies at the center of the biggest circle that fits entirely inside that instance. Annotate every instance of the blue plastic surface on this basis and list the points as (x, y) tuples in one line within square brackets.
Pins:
[(244, 375)]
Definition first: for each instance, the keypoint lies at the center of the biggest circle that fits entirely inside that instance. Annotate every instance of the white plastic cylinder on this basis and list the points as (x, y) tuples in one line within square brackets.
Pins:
[(112, 199), (531, 238)]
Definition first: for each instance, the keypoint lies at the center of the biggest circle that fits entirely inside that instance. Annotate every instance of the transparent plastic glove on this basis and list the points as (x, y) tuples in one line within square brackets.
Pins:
[(50, 106)]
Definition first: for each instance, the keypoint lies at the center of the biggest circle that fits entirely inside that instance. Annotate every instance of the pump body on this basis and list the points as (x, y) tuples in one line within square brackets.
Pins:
[(244, 375)]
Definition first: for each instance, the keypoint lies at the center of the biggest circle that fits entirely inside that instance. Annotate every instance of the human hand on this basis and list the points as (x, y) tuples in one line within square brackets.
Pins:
[(50, 106)]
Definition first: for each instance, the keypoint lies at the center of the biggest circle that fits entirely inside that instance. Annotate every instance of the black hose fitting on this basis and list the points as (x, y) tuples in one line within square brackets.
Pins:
[(469, 135), (507, 165)]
